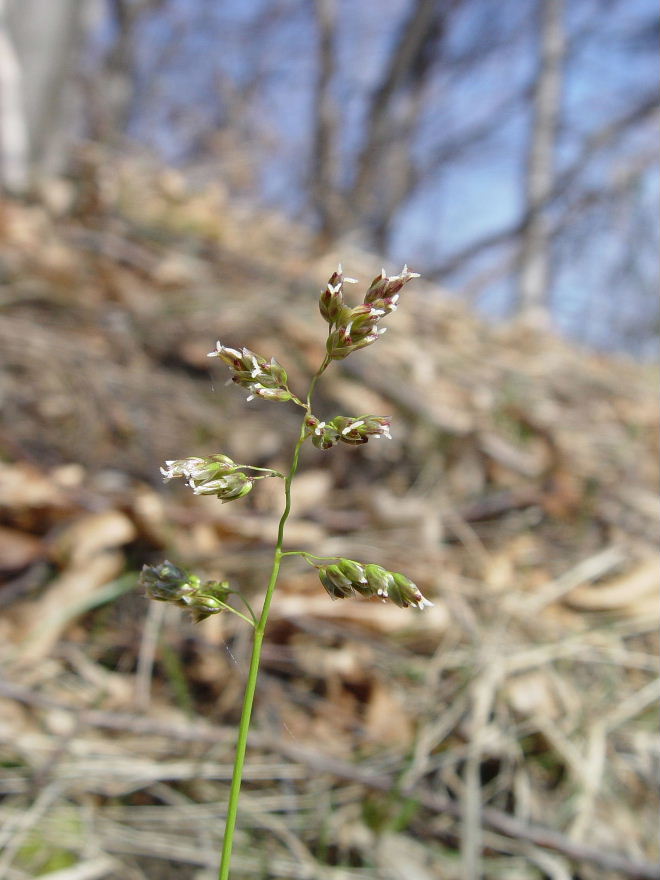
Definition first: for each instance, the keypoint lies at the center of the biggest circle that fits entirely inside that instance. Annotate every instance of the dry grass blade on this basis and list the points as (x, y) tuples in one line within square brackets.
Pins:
[(513, 722), (92, 869)]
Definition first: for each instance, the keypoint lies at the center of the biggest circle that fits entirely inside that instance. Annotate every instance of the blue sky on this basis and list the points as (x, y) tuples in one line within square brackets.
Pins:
[(192, 50)]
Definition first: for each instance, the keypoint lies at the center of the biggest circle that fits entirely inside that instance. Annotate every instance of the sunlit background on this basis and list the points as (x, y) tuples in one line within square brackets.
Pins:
[(505, 149), (174, 172)]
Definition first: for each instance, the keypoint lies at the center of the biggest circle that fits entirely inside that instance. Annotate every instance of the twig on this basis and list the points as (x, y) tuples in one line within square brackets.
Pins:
[(93, 869), (147, 655), (491, 817), (15, 831)]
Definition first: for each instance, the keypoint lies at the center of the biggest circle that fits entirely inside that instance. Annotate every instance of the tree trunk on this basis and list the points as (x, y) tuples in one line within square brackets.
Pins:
[(384, 174), (14, 140), (323, 185), (535, 252), (37, 54)]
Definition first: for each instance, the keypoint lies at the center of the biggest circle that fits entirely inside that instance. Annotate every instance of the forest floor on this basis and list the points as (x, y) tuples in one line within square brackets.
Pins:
[(508, 731)]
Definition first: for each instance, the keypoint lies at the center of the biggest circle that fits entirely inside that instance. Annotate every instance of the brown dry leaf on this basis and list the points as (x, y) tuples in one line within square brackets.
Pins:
[(91, 534), (530, 461), (198, 541), (400, 858), (22, 485), (389, 509), (69, 476), (499, 573), (14, 719), (149, 513), (298, 532), (504, 568), (175, 270), (382, 617), (531, 694), (347, 663), (309, 490), (116, 688), (386, 719), (632, 593), (357, 400), (46, 619), (18, 550)]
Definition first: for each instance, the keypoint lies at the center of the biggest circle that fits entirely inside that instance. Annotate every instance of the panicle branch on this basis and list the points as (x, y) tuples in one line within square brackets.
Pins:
[(347, 577), (262, 378), (352, 431), (350, 329), (215, 475), (354, 328), (169, 583)]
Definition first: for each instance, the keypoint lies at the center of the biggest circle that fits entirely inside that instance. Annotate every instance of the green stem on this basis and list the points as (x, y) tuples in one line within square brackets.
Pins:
[(304, 553), (238, 613), (259, 630), (317, 376), (268, 471), (247, 605)]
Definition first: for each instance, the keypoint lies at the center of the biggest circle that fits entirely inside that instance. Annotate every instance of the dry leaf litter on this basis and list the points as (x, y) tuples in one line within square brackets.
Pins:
[(512, 725)]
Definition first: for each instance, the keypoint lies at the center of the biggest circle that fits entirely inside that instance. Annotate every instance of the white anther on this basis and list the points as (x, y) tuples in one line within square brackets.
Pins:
[(352, 426)]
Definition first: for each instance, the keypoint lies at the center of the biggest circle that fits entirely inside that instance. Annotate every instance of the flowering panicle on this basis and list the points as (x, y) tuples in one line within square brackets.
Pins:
[(227, 488), (347, 577), (344, 429), (356, 328), (350, 329), (331, 300), (168, 583), (262, 378), (214, 475), (199, 470)]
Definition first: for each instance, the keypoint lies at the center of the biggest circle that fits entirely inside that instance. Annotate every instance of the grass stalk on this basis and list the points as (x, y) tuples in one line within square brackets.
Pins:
[(255, 659)]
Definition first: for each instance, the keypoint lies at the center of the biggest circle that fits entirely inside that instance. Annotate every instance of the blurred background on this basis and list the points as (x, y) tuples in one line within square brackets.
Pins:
[(177, 171)]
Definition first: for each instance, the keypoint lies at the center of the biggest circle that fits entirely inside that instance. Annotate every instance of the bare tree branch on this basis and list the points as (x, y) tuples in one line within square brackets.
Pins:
[(322, 175), (598, 140), (409, 63)]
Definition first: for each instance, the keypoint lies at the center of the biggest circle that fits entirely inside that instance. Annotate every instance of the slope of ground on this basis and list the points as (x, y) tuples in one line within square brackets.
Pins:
[(513, 722)]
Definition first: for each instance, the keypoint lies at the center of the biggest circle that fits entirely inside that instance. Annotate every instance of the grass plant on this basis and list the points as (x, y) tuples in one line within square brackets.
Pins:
[(350, 328)]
